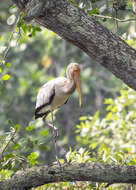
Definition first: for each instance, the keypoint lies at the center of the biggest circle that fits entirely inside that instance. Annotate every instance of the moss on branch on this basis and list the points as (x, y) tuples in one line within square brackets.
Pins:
[(95, 172)]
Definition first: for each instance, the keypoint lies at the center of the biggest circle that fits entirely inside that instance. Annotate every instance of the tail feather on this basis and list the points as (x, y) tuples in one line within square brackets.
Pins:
[(38, 115)]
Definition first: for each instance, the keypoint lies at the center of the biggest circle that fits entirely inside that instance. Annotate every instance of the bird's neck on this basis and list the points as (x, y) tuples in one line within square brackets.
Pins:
[(70, 87)]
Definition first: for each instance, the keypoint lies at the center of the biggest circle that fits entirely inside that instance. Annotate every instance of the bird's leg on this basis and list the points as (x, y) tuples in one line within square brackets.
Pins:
[(55, 135), (55, 130)]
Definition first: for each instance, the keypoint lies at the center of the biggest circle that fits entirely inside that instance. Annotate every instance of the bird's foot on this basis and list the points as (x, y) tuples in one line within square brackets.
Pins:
[(55, 130)]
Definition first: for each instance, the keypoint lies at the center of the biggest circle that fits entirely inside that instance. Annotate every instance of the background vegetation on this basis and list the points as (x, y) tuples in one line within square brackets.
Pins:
[(102, 130)]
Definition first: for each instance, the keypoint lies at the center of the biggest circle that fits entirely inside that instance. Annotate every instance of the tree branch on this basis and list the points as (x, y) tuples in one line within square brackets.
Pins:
[(114, 18), (95, 172), (82, 30)]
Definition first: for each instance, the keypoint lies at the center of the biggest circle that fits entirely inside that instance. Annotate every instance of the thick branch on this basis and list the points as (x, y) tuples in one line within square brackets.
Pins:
[(74, 25), (94, 172)]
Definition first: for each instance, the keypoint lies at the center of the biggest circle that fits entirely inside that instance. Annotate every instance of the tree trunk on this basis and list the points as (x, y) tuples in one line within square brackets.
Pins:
[(95, 172), (77, 27)]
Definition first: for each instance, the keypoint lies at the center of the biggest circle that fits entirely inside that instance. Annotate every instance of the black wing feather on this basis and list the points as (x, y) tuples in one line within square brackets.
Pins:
[(37, 115)]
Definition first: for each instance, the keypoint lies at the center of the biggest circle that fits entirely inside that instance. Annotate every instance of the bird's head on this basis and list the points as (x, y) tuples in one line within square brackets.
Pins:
[(73, 72)]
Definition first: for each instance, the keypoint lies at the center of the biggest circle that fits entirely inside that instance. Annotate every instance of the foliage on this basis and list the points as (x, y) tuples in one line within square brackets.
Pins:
[(79, 156), (32, 158), (112, 138)]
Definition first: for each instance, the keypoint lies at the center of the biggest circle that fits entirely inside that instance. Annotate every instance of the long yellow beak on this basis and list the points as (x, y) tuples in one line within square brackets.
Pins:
[(78, 86)]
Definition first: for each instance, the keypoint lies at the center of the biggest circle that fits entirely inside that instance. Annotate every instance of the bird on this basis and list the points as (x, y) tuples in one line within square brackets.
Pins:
[(55, 93)]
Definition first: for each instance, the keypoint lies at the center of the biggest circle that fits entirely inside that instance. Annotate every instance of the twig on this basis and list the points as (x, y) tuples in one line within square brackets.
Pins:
[(106, 186), (116, 21), (18, 158), (113, 18), (11, 36), (9, 141)]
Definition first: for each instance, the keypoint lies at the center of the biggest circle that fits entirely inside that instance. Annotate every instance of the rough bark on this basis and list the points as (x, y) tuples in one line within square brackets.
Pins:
[(77, 27), (94, 172)]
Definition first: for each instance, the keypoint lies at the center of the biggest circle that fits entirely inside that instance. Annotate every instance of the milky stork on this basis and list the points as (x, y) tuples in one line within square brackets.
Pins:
[(55, 93)]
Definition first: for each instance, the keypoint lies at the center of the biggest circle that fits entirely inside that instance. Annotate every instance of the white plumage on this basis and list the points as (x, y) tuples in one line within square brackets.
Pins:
[(56, 92)]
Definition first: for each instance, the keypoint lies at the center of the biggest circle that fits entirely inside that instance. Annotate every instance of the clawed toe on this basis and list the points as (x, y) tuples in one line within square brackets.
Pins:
[(55, 130)]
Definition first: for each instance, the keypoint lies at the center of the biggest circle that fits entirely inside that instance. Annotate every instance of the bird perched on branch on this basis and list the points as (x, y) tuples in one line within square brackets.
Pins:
[(55, 93)]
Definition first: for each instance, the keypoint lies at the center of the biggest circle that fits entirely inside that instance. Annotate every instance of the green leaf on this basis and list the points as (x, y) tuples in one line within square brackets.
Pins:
[(114, 109), (32, 158), (92, 186), (12, 7), (93, 145), (29, 127), (33, 33), (6, 77), (83, 118), (134, 160), (70, 149), (109, 116), (33, 155), (8, 64), (95, 117), (0, 70), (20, 23), (108, 108), (2, 37), (119, 157), (94, 12), (38, 29), (44, 132), (9, 156), (11, 123), (43, 147), (16, 146), (108, 101), (29, 28), (17, 127), (24, 28)]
